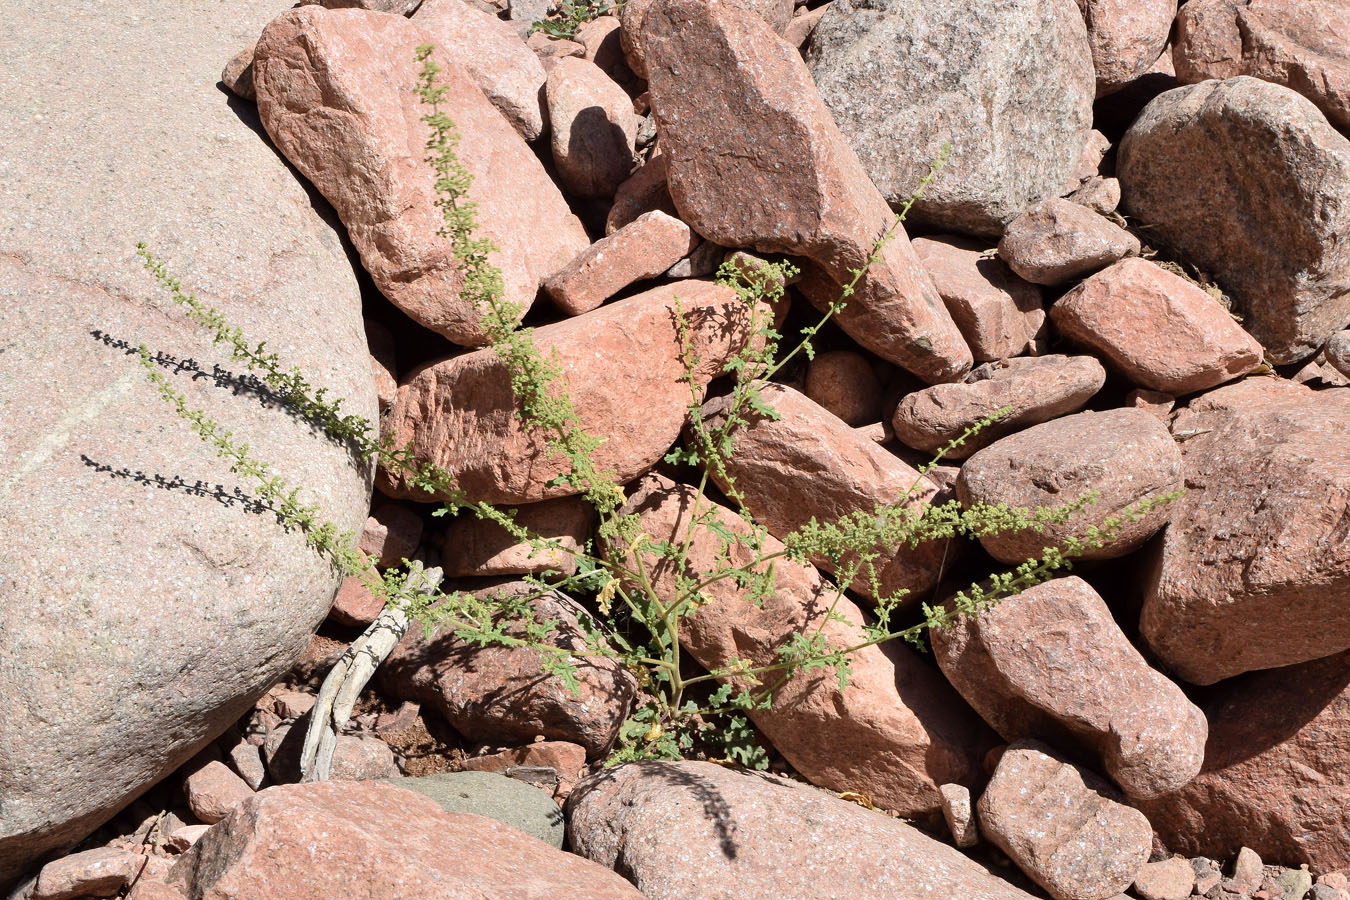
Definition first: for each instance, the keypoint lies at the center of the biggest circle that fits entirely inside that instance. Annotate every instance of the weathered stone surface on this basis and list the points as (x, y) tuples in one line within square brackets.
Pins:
[(1276, 774), (246, 760), (1301, 44), (643, 191), (1253, 572), (604, 47), (1059, 240), (295, 842), (1008, 84), (999, 314), (702, 261), (1035, 389), (1168, 879), (213, 790), (145, 603), (335, 91), (473, 546), (397, 7), (843, 382), (809, 464), (501, 694), (505, 70), (592, 128), (959, 813), (1156, 402), (775, 13), (567, 760), (101, 872), (1126, 37), (357, 757), (1061, 826), (1158, 329), (392, 533), (677, 829), (383, 363), (1247, 181), (495, 796), (895, 734), (1126, 455), (238, 74), (644, 248), (798, 31), (550, 49), (1051, 663), (755, 161), (1101, 195), (1337, 352), (620, 364), (355, 603)]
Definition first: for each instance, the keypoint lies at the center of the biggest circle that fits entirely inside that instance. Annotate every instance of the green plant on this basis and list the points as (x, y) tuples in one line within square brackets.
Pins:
[(631, 620), (571, 15)]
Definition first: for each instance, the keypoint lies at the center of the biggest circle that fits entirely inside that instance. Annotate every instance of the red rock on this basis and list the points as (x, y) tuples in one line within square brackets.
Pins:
[(999, 314), (357, 757), (1276, 772), (676, 829), (798, 31), (897, 731), (1059, 241), (296, 842), (777, 14), (1301, 44), (592, 128), (246, 760), (1160, 330), (183, 838), (1060, 825), (1169, 879), (644, 191), (566, 759), (549, 49), (505, 70), (604, 47), (644, 248), (843, 382), (397, 7), (1254, 570), (238, 74), (383, 363), (100, 872), (621, 365), (363, 63), (1035, 389), (811, 465), (1338, 352), (755, 161), (213, 790), (1089, 164), (1124, 454), (503, 694), (1051, 663), (1156, 402), (1126, 36), (355, 604), (392, 534), (1101, 195), (960, 815), (292, 704), (474, 547)]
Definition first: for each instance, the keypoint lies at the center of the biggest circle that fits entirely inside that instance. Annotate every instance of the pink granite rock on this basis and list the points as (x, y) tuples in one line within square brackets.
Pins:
[(567, 760), (1253, 571), (1160, 330), (100, 872), (1126, 455), (1338, 352), (335, 92), (392, 534), (238, 74), (476, 547), (1156, 402), (644, 248), (1059, 241), (355, 603), (777, 14), (1051, 663), (959, 813), (1101, 195), (183, 838), (1168, 879), (357, 757), (1126, 36), (644, 191), (213, 790), (895, 733), (844, 382), (1033, 389), (592, 128)]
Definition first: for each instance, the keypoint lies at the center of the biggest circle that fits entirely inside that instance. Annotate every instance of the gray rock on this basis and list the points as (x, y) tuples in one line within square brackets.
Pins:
[(1009, 83), (1337, 352), (246, 759), (1247, 181), (495, 796), (146, 603)]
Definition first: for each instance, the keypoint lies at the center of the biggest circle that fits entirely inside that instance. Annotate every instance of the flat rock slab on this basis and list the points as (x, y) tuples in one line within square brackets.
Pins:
[(494, 796), (1008, 84), (147, 599), (1255, 568), (644, 248), (1246, 180), (679, 829)]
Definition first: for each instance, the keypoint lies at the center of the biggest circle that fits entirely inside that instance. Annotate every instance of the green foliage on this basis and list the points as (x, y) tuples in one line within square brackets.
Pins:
[(632, 621), (571, 15)]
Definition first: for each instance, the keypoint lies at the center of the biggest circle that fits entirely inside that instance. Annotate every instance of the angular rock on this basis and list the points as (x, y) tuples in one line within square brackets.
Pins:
[(677, 828), (180, 839), (358, 757), (999, 314), (798, 31), (644, 248), (1058, 241), (1254, 570), (960, 815), (566, 761), (1061, 825), (238, 74), (246, 760), (505, 70), (502, 694), (1035, 389), (213, 790), (1244, 179), (1101, 195), (1170, 879), (644, 191), (365, 153), (392, 533), (296, 841), (1156, 402), (1008, 84), (1338, 352), (147, 600), (1276, 774), (1160, 330), (1051, 663), (474, 547), (592, 128), (550, 49), (843, 382), (101, 872), (493, 796), (1248, 873), (1301, 44), (777, 14), (1126, 455), (703, 260), (622, 366), (755, 161), (1127, 36), (355, 603), (895, 733), (807, 465)]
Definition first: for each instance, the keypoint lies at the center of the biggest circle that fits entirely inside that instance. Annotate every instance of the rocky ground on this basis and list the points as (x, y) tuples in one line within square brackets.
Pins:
[(1139, 242)]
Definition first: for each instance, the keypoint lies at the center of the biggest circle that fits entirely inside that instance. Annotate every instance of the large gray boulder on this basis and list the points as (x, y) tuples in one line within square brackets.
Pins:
[(145, 603), (1009, 83)]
